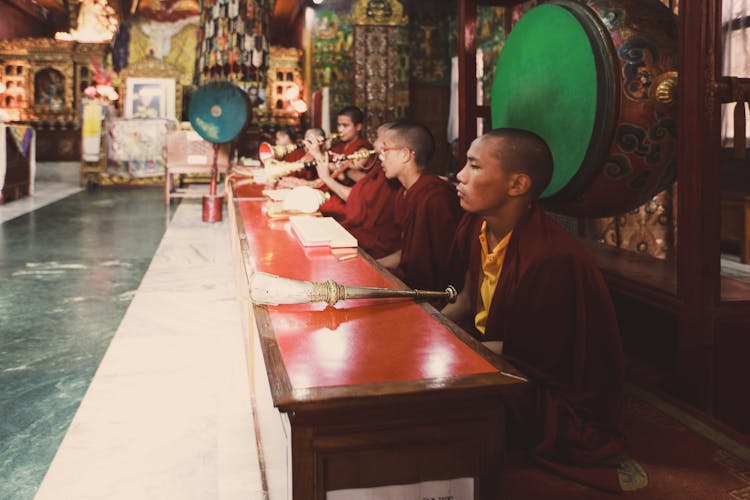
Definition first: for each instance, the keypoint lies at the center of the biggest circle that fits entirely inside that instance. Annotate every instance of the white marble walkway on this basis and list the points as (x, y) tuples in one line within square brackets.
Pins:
[(168, 414)]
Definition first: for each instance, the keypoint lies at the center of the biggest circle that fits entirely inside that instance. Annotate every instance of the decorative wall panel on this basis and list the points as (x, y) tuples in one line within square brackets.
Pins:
[(648, 229), (380, 63), (332, 57)]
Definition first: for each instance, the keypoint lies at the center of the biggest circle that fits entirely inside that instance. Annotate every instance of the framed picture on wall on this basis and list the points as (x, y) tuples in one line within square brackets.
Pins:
[(150, 98)]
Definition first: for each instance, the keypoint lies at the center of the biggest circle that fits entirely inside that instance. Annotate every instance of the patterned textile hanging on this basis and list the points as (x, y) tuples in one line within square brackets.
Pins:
[(232, 40)]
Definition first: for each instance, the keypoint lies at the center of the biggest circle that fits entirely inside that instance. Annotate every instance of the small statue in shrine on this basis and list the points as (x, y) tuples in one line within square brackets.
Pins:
[(379, 9)]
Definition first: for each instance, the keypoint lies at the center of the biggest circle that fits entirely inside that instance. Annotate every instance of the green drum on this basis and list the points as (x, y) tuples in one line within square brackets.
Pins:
[(594, 79), (218, 111)]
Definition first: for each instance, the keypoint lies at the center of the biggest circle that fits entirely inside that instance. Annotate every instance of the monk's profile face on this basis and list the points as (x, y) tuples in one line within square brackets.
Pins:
[(347, 129), (391, 156), (483, 183)]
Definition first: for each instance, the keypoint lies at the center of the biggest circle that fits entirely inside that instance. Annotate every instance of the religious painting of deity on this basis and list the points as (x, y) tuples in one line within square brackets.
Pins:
[(490, 39), (256, 95), (429, 49), (169, 10), (49, 88), (150, 98), (332, 56)]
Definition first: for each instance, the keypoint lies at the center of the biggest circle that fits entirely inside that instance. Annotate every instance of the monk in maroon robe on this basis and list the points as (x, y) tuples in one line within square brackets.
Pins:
[(366, 207), (307, 173), (550, 312), (349, 123), (427, 209)]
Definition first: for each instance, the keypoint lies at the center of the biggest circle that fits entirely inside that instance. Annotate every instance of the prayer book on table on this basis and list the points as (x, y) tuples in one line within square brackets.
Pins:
[(321, 231)]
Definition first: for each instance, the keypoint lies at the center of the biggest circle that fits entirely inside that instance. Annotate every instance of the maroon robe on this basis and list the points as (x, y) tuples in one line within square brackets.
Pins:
[(370, 213), (336, 207), (306, 173), (552, 310), (427, 215)]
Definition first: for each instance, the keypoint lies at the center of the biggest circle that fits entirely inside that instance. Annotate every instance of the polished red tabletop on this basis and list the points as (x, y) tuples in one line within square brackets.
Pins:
[(355, 342)]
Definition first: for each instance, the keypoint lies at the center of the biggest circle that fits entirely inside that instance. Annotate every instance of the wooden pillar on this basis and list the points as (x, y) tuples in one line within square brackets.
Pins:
[(698, 256), (467, 80)]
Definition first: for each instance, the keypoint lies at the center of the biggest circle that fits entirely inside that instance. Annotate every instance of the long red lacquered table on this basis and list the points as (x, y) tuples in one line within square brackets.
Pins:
[(370, 392)]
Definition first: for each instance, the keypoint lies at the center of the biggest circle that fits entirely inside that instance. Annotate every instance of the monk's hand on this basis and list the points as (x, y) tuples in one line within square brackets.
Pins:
[(312, 146), (322, 166)]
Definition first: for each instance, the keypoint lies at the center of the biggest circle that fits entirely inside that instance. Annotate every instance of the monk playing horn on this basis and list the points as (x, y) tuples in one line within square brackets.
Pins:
[(368, 204)]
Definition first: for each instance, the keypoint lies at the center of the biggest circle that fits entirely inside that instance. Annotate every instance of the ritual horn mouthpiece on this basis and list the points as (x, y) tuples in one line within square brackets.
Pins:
[(275, 290)]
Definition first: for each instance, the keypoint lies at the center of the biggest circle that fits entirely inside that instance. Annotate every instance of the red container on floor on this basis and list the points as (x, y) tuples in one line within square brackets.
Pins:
[(212, 206)]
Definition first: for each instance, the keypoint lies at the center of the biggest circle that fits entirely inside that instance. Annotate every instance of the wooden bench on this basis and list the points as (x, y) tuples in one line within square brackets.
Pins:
[(188, 153)]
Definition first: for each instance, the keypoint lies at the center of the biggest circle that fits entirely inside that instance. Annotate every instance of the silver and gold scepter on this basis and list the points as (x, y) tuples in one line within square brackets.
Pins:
[(275, 290)]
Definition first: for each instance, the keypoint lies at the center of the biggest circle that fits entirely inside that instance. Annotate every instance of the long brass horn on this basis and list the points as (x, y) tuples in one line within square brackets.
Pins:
[(276, 169), (267, 151), (271, 289)]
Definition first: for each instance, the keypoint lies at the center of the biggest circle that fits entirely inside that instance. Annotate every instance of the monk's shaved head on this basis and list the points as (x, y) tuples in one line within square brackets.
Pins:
[(522, 151), (416, 137)]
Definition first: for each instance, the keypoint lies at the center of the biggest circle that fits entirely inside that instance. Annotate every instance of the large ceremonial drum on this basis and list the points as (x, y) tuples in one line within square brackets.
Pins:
[(595, 79), (218, 113)]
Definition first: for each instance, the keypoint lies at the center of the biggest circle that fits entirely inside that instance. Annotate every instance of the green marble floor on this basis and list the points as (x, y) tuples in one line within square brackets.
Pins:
[(68, 272)]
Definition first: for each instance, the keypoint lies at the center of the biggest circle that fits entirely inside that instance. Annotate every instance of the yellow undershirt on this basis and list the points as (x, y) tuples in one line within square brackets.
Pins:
[(492, 265)]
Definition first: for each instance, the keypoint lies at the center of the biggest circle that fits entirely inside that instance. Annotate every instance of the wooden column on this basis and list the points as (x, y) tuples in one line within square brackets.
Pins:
[(467, 79), (698, 257)]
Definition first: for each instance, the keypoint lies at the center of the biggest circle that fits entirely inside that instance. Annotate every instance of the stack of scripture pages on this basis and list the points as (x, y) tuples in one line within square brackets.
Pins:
[(321, 231)]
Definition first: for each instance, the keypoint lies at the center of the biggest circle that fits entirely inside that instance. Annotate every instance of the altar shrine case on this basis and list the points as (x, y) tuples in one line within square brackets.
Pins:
[(17, 161), (369, 394)]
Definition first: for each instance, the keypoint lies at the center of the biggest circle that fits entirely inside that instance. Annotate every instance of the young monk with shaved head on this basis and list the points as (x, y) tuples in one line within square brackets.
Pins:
[(427, 209), (532, 292)]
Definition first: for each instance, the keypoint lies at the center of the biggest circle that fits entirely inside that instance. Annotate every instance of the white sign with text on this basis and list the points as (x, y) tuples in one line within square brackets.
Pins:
[(453, 489)]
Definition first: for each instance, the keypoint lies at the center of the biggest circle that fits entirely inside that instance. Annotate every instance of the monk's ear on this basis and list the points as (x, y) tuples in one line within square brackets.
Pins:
[(520, 184)]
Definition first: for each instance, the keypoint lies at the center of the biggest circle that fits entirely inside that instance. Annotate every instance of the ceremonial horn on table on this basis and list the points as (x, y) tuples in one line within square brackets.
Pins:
[(270, 289), (268, 151)]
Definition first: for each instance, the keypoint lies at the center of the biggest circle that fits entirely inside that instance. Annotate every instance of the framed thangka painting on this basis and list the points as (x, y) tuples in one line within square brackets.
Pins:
[(150, 98)]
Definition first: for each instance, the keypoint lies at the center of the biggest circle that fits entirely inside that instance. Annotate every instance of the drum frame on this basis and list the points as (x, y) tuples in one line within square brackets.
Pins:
[(608, 101)]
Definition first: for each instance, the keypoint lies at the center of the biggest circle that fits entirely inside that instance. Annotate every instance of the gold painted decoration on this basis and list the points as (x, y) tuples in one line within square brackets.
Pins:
[(180, 51), (184, 47), (379, 13), (44, 78), (285, 87)]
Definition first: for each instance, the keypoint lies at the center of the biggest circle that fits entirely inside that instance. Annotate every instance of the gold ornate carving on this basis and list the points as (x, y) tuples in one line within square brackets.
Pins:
[(284, 72), (151, 67), (664, 88), (379, 13), (29, 46), (37, 57), (375, 59)]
